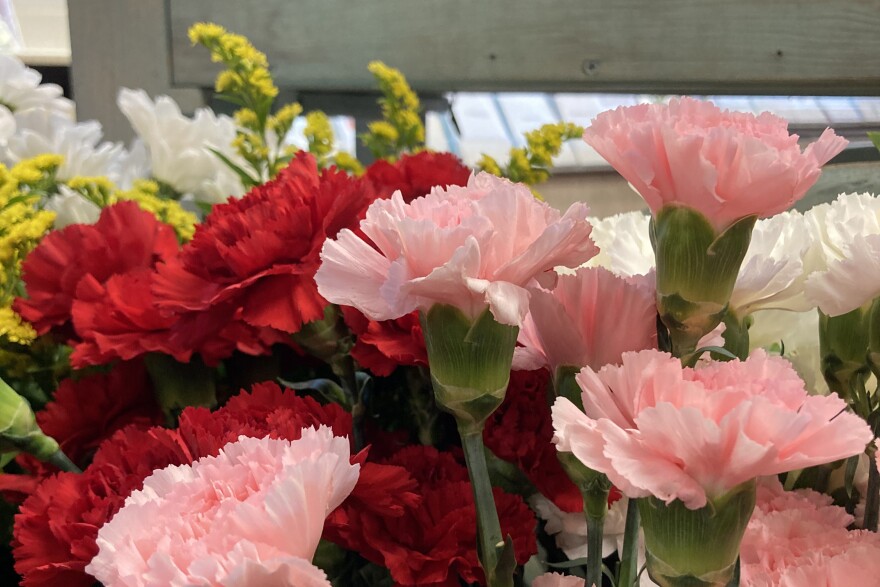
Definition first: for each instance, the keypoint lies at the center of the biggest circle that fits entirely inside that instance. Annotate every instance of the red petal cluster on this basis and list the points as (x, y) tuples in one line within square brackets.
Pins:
[(84, 413), (521, 432), (256, 258), (433, 543), (55, 531), (124, 238), (415, 175), (382, 346)]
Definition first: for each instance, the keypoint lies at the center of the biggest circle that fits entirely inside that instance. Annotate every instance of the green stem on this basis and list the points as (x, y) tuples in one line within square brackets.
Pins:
[(60, 460), (629, 558), (872, 499), (489, 539), (595, 527), (348, 377)]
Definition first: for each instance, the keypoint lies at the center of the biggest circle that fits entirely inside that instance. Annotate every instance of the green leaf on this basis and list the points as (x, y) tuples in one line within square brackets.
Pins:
[(875, 138), (718, 350), (246, 178), (506, 562), (852, 464), (329, 390)]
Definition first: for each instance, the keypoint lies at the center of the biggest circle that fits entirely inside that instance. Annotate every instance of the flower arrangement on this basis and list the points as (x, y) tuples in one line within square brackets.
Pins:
[(226, 361)]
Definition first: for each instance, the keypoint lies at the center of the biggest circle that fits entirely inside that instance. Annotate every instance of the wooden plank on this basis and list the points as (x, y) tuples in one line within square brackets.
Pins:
[(668, 46), (120, 43)]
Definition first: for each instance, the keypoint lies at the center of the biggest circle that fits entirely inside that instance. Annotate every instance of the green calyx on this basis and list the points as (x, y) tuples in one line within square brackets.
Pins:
[(18, 427), (696, 548), (326, 338), (844, 349), (696, 271), (470, 362)]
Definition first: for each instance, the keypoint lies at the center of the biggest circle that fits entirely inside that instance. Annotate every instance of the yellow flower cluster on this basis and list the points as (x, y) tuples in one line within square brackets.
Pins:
[(319, 134), (246, 81), (401, 129), (13, 329), (531, 164), (247, 75), (146, 194), (347, 162), (98, 189), (22, 226)]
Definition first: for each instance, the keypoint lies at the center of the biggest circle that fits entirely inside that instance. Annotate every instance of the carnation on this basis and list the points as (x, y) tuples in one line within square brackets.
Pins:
[(86, 411), (726, 165), (744, 419), (416, 175), (589, 318), (255, 258), (381, 346), (124, 238), (433, 543), (800, 539), (56, 530), (201, 523), (843, 261), (624, 242), (180, 148), (772, 274), (456, 246)]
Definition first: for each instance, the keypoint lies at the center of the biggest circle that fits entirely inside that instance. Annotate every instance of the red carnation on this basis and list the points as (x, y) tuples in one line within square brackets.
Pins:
[(521, 432), (415, 175), (256, 257), (119, 320), (434, 543), (124, 238), (84, 413), (382, 346), (55, 531)]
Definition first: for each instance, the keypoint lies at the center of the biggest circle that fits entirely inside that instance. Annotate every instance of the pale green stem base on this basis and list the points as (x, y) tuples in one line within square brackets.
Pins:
[(489, 539)]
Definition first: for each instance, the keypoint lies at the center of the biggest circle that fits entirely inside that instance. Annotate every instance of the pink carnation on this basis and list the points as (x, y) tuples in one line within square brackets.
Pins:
[(727, 165), (589, 319), (658, 429), (800, 539), (470, 247), (255, 512), (557, 580)]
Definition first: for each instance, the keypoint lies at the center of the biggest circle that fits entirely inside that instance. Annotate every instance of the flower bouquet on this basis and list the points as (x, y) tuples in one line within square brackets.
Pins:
[(229, 362)]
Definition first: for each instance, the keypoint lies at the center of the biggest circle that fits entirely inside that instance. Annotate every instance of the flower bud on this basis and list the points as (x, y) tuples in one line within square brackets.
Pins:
[(696, 548), (470, 362), (18, 427), (696, 271)]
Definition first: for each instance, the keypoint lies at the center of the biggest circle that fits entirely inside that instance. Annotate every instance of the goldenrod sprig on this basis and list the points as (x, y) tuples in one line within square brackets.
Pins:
[(401, 129), (531, 164), (22, 226), (147, 195)]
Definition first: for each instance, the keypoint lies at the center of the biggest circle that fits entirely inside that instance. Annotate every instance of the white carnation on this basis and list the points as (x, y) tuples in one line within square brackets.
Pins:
[(79, 144), (772, 273), (180, 147)]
